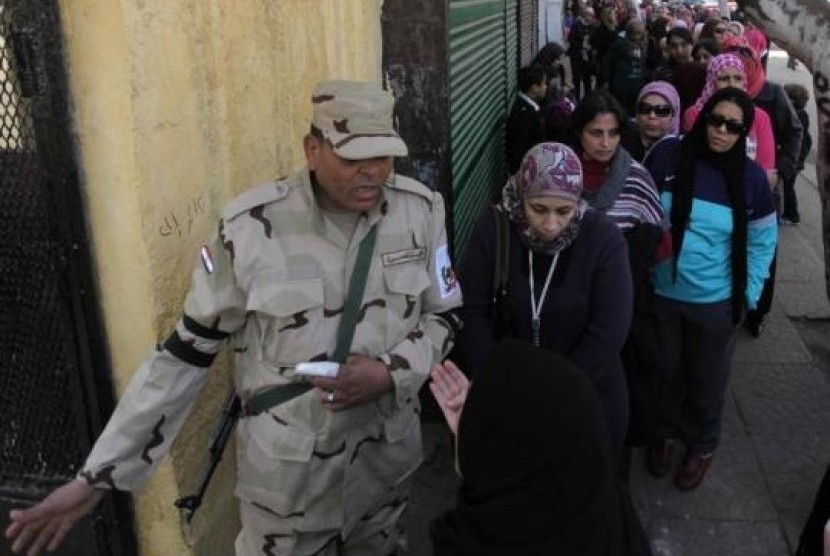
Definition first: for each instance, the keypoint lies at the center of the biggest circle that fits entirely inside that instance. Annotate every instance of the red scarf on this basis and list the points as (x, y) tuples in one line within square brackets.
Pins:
[(593, 174)]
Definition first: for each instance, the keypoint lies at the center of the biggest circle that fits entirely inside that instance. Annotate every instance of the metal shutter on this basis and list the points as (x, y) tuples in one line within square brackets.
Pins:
[(483, 53), (528, 30)]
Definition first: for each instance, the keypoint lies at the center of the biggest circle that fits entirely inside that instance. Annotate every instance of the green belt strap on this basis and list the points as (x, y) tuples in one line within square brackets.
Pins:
[(275, 395)]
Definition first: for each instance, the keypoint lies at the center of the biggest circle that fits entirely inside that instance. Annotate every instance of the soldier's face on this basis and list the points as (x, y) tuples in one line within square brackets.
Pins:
[(346, 185)]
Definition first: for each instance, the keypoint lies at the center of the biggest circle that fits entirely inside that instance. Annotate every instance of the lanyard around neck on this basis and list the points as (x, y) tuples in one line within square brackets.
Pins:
[(536, 309)]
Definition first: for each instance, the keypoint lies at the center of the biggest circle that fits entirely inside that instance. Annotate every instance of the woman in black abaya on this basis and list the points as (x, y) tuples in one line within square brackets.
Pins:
[(538, 477)]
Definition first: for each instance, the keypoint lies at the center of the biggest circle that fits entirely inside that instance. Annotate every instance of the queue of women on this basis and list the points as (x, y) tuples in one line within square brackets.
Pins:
[(633, 259)]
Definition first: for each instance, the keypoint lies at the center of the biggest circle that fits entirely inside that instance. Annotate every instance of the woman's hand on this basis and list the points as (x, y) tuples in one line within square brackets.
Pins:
[(773, 179), (450, 387)]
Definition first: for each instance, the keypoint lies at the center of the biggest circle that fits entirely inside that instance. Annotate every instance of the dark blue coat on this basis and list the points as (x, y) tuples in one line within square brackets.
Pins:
[(585, 316)]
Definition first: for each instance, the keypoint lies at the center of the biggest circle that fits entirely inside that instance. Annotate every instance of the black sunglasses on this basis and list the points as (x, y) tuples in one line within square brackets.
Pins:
[(659, 110), (720, 30), (732, 127)]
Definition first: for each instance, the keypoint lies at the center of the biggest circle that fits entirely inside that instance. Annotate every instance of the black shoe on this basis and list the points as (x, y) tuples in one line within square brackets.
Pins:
[(659, 458), (755, 326)]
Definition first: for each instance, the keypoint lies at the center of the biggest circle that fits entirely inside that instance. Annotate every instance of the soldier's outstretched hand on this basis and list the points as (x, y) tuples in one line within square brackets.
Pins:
[(449, 386), (45, 525)]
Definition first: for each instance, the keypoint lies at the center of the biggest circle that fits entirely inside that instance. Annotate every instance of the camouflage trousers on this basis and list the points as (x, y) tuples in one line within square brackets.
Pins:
[(380, 534)]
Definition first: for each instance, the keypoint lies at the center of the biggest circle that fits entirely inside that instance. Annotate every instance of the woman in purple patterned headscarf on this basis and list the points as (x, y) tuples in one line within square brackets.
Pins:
[(568, 283)]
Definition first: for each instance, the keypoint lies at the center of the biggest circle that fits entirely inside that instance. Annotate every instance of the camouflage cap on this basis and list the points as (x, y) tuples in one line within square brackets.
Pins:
[(356, 118)]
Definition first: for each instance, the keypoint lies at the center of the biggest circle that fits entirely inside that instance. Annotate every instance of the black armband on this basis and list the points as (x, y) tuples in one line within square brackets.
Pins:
[(202, 331), (186, 352)]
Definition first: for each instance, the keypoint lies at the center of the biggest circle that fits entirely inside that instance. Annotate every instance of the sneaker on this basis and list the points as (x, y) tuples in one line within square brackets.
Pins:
[(693, 470), (659, 458), (790, 220)]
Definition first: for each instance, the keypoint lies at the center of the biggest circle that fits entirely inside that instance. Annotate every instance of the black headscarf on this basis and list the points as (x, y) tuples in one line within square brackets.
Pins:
[(538, 474), (731, 164)]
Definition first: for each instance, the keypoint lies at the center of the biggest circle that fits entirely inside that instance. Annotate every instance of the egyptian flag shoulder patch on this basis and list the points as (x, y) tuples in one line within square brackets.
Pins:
[(207, 259), (447, 282)]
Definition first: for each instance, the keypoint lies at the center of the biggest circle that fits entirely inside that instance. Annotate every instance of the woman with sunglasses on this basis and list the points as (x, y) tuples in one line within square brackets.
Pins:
[(657, 115), (711, 270), (727, 70)]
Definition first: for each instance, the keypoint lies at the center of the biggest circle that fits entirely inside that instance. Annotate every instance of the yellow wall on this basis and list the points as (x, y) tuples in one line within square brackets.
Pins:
[(178, 106)]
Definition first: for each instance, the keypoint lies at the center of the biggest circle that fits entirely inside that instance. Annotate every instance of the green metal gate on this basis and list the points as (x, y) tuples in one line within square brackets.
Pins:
[(528, 31), (483, 47)]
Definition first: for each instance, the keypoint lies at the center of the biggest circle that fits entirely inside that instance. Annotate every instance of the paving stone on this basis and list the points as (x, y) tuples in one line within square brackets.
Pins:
[(695, 537), (734, 488), (805, 299), (793, 522), (786, 409), (780, 343), (434, 487), (797, 261)]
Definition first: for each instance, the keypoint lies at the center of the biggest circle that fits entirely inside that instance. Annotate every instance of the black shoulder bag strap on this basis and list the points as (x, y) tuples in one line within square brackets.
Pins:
[(281, 393), (502, 262), (500, 317)]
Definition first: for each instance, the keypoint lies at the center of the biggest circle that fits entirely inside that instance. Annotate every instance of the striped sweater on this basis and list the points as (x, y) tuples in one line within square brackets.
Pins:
[(628, 196)]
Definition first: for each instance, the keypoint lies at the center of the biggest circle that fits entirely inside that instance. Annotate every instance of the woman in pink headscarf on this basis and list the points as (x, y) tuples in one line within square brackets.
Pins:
[(727, 70), (758, 41)]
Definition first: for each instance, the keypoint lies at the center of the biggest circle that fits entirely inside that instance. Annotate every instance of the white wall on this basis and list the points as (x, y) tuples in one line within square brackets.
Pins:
[(550, 22)]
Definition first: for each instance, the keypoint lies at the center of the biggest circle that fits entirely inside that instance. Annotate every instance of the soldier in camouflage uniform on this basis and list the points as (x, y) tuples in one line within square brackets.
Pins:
[(326, 472)]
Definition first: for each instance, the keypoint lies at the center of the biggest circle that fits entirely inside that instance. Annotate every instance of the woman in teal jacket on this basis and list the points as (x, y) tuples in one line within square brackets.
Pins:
[(712, 269)]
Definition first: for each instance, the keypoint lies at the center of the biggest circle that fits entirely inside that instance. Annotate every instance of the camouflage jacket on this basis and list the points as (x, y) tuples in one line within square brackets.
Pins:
[(274, 279)]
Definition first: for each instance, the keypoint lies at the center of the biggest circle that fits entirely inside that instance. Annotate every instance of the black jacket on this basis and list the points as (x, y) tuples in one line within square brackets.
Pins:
[(786, 127), (525, 129), (806, 140), (602, 39)]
